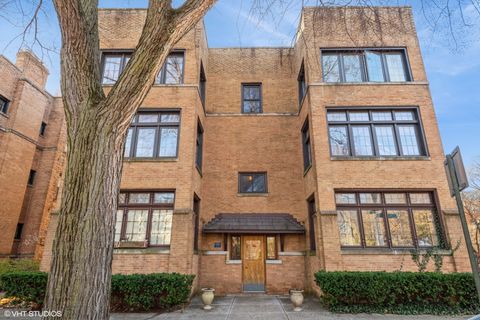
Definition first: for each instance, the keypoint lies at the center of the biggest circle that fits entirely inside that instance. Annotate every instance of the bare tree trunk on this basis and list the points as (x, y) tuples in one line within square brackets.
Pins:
[(80, 276)]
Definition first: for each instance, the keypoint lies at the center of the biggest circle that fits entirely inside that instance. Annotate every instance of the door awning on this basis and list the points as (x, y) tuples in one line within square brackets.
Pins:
[(259, 223)]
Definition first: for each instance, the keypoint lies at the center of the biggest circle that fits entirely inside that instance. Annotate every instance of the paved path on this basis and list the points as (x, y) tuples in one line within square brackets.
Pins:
[(262, 307)]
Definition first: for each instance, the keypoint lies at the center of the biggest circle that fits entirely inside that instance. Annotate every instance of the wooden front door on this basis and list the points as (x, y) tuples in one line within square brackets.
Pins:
[(253, 258)]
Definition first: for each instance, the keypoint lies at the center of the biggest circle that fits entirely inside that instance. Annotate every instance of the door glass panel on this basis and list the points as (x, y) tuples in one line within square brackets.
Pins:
[(374, 228), (399, 228), (253, 249), (236, 248)]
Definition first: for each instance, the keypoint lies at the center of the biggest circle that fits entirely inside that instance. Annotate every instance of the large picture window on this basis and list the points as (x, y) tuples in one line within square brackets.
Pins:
[(387, 219), (144, 219), (365, 65), (153, 134), (376, 132)]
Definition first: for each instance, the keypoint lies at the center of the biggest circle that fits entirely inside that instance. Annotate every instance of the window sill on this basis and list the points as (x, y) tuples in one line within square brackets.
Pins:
[(233, 262), (149, 250), (199, 170), (252, 194), (389, 251), (375, 158), (150, 160), (307, 169), (274, 261), (4, 115), (402, 83)]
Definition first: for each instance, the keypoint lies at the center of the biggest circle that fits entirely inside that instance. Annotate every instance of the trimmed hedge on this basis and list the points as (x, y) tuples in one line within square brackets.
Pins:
[(399, 292), (137, 292)]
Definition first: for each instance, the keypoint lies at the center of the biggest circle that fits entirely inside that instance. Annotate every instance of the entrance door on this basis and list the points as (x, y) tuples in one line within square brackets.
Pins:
[(253, 259)]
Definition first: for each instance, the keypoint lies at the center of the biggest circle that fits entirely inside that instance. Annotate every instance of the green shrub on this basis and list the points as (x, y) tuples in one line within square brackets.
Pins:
[(137, 292), (142, 292), (29, 286), (399, 292)]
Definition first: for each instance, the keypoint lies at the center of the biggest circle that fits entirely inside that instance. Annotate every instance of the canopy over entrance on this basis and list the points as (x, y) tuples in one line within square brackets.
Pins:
[(258, 223)]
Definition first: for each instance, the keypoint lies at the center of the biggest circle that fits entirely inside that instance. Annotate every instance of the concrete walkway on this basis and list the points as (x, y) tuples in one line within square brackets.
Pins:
[(262, 307)]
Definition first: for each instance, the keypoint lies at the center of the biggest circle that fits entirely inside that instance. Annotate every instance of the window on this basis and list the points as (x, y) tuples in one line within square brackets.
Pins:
[(113, 65), (251, 98), (4, 104), (144, 217), (252, 183), (153, 134), (387, 219), (172, 70), (18, 231), (236, 248), (307, 148), (271, 248), (365, 66), (31, 177), (196, 212), (302, 85), (43, 127), (199, 150), (311, 223), (203, 84), (375, 132)]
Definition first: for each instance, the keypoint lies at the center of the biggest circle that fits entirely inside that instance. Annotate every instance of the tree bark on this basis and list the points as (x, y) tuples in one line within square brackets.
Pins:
[(81, 268)]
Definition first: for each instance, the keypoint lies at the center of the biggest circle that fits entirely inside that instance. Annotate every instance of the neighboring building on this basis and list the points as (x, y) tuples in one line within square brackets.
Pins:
[(31, 154), (255, 167)]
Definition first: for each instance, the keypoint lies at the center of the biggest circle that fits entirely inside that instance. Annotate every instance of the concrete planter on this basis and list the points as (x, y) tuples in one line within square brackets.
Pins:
[(296, 296), (207, 298)]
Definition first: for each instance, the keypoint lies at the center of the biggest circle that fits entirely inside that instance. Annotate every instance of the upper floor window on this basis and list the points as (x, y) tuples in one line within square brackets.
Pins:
[(387, 219), (311, 223), (4, 104), (365, 66), (375, 132), (153, 134), (43, 128), (203, 84), (199, 150), (252, 182), (144, 218), (302, 85), (252, 98), (115, 63), (307, 149), (172, 70)]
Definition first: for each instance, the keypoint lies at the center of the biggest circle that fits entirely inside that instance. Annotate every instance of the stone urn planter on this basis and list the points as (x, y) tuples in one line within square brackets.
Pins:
[(296, 296), (207, 298)]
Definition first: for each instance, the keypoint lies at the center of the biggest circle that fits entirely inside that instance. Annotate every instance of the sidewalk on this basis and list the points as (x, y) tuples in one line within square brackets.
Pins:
[(262, 307)]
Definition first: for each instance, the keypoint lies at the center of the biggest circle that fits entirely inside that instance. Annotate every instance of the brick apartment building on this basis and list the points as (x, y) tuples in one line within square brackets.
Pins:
[(255, 167)]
